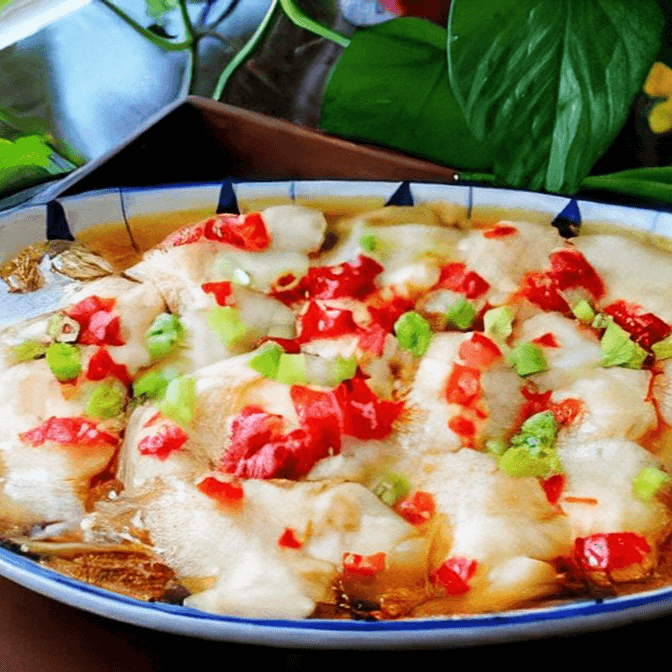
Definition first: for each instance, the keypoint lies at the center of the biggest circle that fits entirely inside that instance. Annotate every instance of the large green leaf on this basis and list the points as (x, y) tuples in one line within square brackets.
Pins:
[(390, 87), (549, 83), (650, 183)]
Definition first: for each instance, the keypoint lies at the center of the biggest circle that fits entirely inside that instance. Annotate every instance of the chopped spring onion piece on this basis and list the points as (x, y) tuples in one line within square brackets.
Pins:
[(496, 446), (413, 333), (391, 488), (619, 350), (28, 350), (663, 349), (583, 312), (340, 369), (532, 452), (64, 360), (368, 242), (498, 323), (179, 400), (648, 483), (292, 369), (153, 384), (165, 333), (226, 323), (267, 360), (106, 401), (461, 314), (601, 321), (527, 359), (63, 328)]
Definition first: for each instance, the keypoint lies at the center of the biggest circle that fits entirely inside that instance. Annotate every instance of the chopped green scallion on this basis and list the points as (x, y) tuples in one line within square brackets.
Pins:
[(528, 358), (165, 334), (64, 361), (619, 350), (391, 488), (583, 312), (226, 323), (663, 349), (461, 314), (179, 400), (292, 369), (28, 350), (648, 483), (498, 324), (413, 333), (106, 401), (368, 242), (267, 360), (340, 369)]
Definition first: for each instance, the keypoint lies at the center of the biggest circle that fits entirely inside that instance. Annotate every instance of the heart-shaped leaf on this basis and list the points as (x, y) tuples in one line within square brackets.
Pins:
[(549, 83), (391, 87)]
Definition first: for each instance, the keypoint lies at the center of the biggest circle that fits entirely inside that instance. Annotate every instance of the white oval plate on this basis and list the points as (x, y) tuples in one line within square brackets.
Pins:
[(23, 226)]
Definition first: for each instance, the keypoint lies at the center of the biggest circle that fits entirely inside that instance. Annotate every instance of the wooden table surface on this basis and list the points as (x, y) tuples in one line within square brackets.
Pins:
[(40, 634)]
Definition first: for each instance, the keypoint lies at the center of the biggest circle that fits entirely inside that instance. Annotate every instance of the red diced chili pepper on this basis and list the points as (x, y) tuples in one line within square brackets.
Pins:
[(245, 232), (609, 552), (323, 322), (283, 291), (101, 365), (221, 291), (542, 291), (372, 339), (226, 493), (570, 269), (536, 402), (500, 231), (546, 340), (68, 431), (98, 325), (365, 415), (81, 312), (169, 438), (354, 279), (464, 428), (417, 508), (288, 539), (454, 575), (566, 411), (479, 352), (553, 487), (645, 328), (464, 385), (357, 566), (457, 278), (321, 419)]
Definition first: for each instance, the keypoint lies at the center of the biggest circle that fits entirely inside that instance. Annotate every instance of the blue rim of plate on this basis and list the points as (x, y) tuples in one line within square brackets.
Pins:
[(72, 214)]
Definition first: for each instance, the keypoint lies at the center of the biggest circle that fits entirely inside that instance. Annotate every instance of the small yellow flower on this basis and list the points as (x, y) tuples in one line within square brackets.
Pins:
[(658, 86)]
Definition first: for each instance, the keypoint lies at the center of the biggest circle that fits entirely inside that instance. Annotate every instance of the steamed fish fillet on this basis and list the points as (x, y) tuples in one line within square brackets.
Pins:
[(649, 271), (504, 261), (180, 271), (429, 410), (251, 575), (598, 496)]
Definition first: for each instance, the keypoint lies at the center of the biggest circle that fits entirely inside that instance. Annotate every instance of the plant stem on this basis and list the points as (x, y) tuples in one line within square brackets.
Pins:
[(188, 27), (161, 42), (249, 47), (299, 18)]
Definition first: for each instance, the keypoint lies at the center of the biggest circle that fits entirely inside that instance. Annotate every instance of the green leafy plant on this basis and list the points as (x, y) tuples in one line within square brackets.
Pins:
[(533, 90), (549, 83)]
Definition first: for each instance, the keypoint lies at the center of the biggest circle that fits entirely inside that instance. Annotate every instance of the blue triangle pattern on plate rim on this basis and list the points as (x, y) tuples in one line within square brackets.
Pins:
[(227, 199)]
